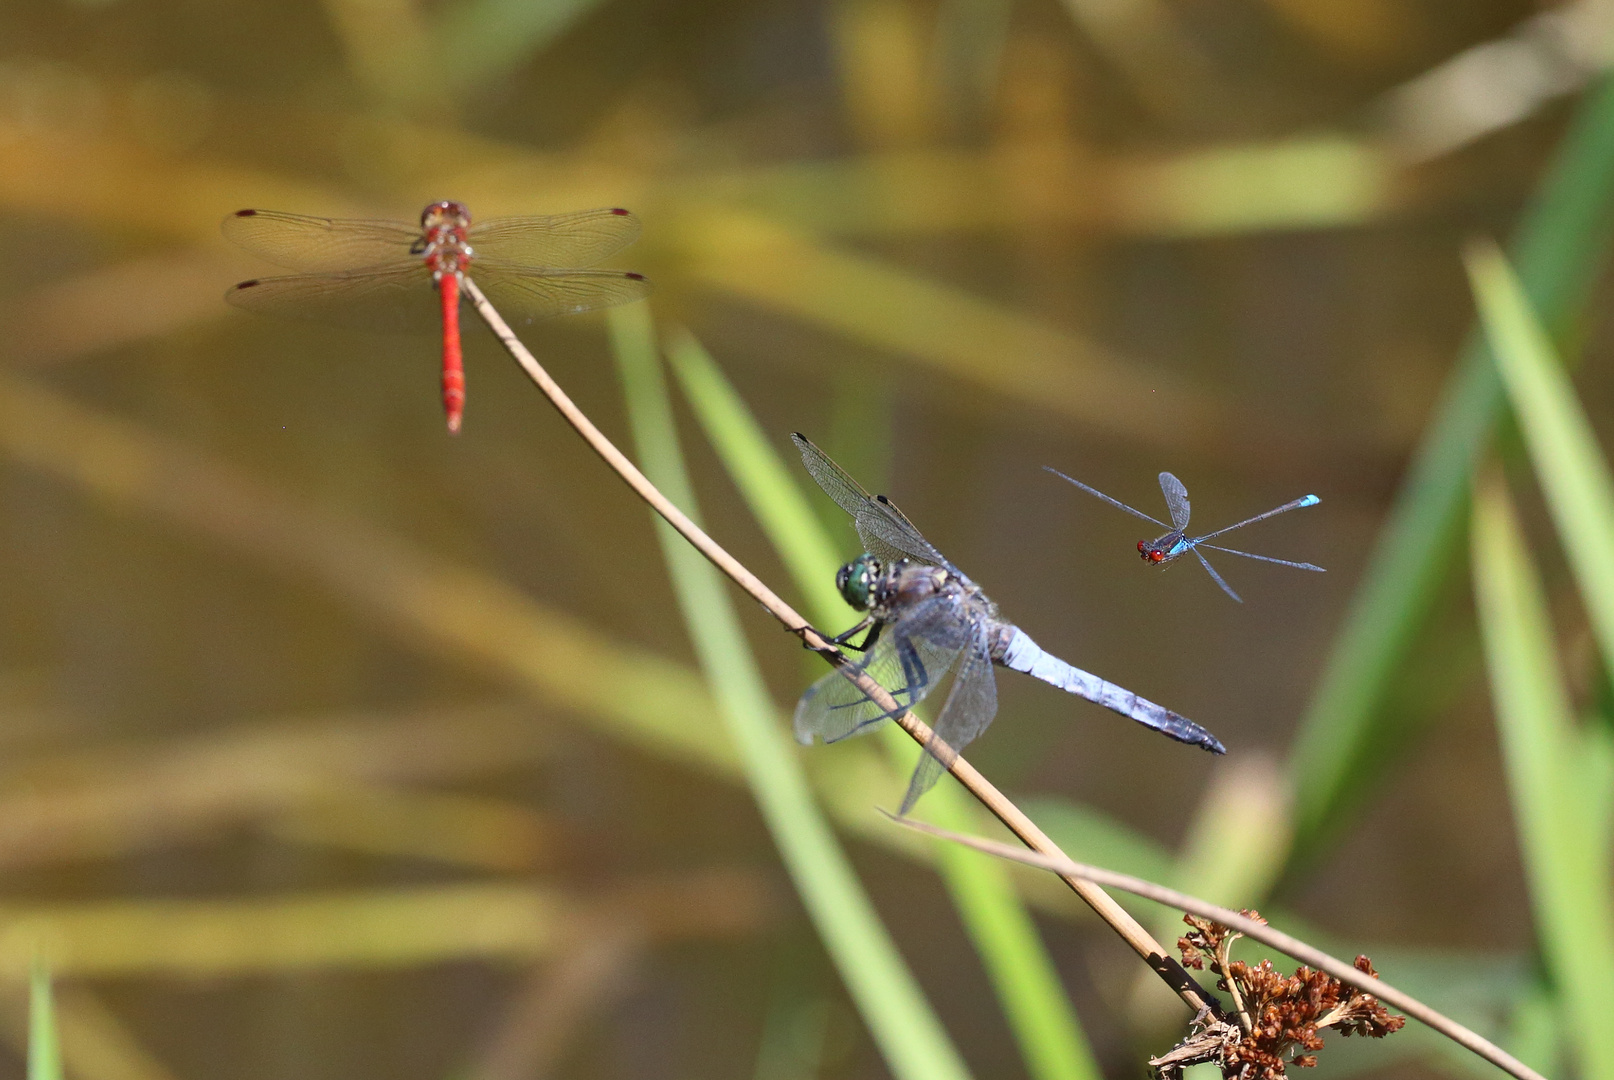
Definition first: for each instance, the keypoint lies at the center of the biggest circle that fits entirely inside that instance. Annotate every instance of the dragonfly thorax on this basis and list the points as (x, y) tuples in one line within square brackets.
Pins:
[(442, 243), (857, 579), (1164, 549)]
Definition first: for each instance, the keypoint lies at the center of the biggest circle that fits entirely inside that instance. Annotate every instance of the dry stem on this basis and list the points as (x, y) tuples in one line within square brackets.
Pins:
[(1131, 931), (1256, 931)]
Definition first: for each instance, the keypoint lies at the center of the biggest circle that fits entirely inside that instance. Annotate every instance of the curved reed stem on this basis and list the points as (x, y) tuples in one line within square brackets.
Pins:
[(1085, 881), (1256, 931), (1130, 930)]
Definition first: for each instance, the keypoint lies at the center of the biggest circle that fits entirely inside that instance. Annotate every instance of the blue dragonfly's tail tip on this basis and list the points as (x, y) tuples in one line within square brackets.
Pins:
[(1310, 500)]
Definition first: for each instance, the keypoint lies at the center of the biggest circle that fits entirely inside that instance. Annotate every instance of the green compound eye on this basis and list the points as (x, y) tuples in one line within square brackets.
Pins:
[(856, 581)]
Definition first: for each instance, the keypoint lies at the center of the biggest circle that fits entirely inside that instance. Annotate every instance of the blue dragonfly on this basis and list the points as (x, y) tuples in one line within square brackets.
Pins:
[(923, 618), (1177, 543)]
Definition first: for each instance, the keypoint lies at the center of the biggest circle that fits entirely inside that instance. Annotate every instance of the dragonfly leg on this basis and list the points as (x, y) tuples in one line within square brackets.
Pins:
[(915, 682), (913, 670), (871, 625)]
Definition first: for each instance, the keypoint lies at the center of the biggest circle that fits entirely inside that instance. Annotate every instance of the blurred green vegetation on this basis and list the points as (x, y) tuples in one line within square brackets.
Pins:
[(338, 748)]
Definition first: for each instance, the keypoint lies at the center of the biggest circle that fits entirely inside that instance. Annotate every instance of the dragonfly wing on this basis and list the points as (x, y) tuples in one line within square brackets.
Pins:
[(882, 524), (523, 294), (836, 481), (1211, 570), (971, 705), (1117, 503), (396, 301), (561, 241), (884, 529), (320, 244), (911, 657), (1176, 500), (1266, 558)]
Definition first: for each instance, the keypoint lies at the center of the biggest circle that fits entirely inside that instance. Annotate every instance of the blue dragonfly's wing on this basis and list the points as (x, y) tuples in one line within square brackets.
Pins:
[(1176, 500), (910, 657), (885, 530), (971, 705)]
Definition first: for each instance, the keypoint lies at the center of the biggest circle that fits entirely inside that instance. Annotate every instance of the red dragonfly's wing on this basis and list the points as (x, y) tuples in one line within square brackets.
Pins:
[(560, 242), (402, 300), (523, 295), (320, 244)]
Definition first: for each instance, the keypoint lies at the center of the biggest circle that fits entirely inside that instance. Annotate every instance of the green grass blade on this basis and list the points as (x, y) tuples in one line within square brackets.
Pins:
[(44, 1045), (1571, 469), (1567, 873), (912, 1039), (1562, 246), (1035, 1005), (764, 479)]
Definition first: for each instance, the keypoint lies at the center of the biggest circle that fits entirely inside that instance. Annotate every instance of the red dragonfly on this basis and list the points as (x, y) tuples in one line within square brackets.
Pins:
[(378, 275)]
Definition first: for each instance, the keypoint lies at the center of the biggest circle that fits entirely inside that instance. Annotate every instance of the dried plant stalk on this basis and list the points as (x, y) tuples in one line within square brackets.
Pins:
[(1130, 930)]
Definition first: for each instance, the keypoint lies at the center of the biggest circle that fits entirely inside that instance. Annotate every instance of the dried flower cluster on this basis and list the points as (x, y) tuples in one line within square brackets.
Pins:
[(1280, 1017)]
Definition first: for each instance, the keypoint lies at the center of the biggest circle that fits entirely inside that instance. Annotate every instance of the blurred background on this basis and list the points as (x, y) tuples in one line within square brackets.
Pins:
[(335, 747)]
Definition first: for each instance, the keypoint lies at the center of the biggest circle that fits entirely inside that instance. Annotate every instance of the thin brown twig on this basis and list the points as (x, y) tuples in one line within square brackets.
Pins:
[(1131, 931), (1256, 931)]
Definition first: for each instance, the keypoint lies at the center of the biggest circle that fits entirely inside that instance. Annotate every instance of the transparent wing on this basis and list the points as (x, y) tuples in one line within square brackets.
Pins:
[(1117, 503), (884, 529), (1176, 500), (883, 523), (561, 241), (836, 482), (320, 244), (1211, 570), (971, 705), (525, 294), (1268, 558), (1296, 504), (391, 301), (909, 659)]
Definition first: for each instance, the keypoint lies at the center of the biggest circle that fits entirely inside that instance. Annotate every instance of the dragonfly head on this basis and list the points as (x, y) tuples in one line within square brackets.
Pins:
[(856, 581), (439, 214), (1152, 553)]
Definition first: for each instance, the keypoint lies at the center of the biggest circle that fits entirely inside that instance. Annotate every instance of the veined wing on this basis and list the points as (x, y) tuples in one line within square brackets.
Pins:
[(1263, 558), (910, 658), (1117, 503), (1211, 570), (399, 301), (298, 242), (560, 241), (525, 294), (884, 529), (971, 705), (1176, 500)]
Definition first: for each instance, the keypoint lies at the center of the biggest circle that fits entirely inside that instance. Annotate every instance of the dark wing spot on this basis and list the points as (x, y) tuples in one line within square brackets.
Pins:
[(247, 284), (246, 213), (619, 212), (633, 277)]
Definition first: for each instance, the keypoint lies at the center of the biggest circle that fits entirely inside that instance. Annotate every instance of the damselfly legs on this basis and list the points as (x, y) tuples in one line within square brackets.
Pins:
[(1176, 543)]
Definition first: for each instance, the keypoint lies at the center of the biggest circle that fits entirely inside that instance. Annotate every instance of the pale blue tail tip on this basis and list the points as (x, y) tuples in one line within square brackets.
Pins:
[(1310, 500)]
